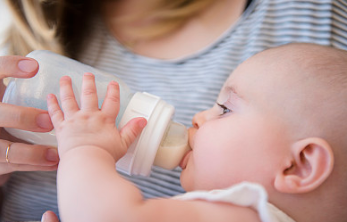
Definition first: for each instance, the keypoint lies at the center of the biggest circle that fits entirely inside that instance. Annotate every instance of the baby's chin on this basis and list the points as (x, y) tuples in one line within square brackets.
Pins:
[(186, 181)]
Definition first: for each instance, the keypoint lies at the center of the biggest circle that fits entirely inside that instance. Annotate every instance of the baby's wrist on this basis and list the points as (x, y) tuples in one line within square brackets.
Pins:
[(86, 149)]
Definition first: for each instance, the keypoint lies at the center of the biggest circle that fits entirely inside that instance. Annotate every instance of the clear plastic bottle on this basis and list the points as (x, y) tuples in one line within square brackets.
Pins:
[(162, 142)]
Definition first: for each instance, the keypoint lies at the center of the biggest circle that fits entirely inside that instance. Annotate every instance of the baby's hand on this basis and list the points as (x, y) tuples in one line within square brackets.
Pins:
[(90, 126)]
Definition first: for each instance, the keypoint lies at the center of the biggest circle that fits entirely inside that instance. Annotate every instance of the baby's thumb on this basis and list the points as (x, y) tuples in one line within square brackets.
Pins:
[(132, 130), (49, 216)]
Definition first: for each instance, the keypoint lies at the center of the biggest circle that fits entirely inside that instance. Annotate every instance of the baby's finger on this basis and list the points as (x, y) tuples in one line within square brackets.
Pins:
[(110, 106), (49, 216), (132, 130), (67, 97), (57, 116), (89, 98)]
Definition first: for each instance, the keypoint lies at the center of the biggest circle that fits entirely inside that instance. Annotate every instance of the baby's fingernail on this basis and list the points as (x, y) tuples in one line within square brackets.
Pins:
[(27, 65), (142, 123), (44, 121), (52, 155), (43, 218), (50, 96), (88, 74)]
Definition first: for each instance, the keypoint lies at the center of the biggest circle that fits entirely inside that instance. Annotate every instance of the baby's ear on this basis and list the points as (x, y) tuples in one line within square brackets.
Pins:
[(311, 163)]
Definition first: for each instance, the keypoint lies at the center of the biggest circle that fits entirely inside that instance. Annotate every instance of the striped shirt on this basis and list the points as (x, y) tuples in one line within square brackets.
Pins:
[(191, 83)]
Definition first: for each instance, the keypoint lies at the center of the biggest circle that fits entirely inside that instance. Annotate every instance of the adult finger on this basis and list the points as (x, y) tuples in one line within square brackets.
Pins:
[(26, 118), (89, 98), (67, 97), (6, 168), (110, 106), (25, 154), (17, 66), (13, 160)]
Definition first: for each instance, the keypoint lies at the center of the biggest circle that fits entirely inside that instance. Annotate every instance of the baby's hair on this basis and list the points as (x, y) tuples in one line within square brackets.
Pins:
[(323, 64), (316, 95), (324, 75)]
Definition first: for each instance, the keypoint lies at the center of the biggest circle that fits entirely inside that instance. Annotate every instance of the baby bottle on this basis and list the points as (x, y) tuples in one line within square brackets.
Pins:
[(163, 142)]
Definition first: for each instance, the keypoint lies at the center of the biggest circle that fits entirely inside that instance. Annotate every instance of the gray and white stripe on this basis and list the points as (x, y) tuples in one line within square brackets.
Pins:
[(191, 83)]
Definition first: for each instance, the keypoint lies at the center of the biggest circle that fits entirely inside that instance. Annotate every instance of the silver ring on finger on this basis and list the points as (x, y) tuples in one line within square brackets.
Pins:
[(8, 152)]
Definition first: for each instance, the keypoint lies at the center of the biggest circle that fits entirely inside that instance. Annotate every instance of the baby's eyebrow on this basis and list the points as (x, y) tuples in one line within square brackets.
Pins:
[(233, 90)]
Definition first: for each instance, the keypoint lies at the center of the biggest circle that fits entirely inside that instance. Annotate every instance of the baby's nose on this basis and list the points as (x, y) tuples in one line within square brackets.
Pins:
[(199, 119)]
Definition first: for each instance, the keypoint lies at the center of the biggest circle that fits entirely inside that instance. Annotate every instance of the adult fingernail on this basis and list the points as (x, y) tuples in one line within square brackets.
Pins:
[(44, 121), (27, 65), (52, 155)]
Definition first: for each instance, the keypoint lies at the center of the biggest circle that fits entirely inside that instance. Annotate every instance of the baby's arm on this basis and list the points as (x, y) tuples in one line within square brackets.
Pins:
[(89, 144)]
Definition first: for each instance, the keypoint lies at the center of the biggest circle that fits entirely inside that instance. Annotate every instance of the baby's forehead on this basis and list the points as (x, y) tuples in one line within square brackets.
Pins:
[(280, 66), (258, 72), (297, 68), (265, 81)]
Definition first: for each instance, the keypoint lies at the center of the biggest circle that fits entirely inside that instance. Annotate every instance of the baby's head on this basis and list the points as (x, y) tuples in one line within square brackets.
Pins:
[(280, 120)]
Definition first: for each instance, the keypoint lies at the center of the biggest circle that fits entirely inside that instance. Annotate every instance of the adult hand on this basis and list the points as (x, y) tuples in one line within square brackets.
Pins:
[(14, 154)]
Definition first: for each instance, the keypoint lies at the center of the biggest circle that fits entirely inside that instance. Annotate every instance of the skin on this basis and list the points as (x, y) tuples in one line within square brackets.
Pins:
[(257, 144), (268, 108), (36, 157), (250, 145), (87, 138), (23, 157), (202, 30), (197, 33)]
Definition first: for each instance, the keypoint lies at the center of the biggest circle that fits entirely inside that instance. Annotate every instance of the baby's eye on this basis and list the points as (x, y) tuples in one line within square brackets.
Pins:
[(224, 109)]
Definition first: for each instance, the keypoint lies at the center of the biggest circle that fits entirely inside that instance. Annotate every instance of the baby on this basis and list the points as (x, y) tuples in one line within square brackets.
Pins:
[(273, 148)]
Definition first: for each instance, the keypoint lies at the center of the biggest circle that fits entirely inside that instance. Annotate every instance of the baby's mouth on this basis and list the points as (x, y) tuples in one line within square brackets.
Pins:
[(184, 161), (186, 156)]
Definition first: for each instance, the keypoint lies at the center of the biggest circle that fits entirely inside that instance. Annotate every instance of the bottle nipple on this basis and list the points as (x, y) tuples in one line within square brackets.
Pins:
[(162, 142), (172, 147)]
